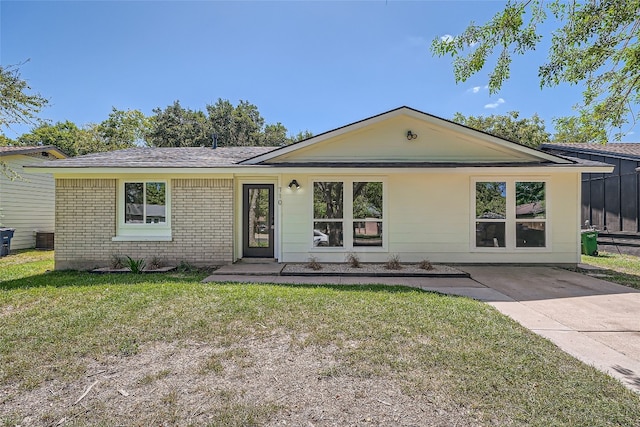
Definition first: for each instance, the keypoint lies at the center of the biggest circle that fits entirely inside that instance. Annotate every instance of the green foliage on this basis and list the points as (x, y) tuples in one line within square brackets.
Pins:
[(595, 46), (580, 129), (136, 265), (5, 141), (64, 135), (367, 200), (123, 129), (491, 200), (240, 125), (176, 126), (16, 104), (530, 132)]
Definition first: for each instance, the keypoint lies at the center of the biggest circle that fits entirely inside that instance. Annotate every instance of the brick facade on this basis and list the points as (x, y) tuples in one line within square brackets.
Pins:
[(86, 222)]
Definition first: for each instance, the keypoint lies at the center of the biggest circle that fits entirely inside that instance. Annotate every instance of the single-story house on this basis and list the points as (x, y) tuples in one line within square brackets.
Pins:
[(402, 183), (27, 199)]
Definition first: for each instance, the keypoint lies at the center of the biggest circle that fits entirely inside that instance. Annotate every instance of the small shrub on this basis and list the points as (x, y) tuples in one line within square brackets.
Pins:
[(136, 265), (314, 264), (155, 263), (425, 264), (393, 263), (353, 260), (185, 267), (116, 261)]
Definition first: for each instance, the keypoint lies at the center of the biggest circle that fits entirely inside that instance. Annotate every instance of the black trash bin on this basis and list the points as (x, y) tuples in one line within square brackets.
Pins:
[(5, 240)]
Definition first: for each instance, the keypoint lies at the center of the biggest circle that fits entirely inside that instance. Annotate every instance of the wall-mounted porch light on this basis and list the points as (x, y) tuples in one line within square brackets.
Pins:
[(411, 135), (293, 185)]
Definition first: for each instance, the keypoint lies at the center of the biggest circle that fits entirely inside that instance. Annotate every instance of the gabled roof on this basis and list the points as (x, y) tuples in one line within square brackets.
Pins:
[(48, 149), (432, 147), (378, 142), (626, 150)]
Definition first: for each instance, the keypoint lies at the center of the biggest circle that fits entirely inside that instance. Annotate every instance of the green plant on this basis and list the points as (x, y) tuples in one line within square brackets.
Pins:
[(313, 263), (136, 265), (425, 264), (353, 260), (393, 263)]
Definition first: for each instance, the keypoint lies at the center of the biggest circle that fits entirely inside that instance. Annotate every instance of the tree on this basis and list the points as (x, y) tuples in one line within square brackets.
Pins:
[(64, 135), (122, 129), (578, 129), (596, 45), (16, 105), (178, 127), (275, 135), (530, 132), (237, 126)]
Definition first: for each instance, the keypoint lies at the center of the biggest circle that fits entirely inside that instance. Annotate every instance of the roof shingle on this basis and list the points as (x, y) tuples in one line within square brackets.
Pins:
[(164, 157)]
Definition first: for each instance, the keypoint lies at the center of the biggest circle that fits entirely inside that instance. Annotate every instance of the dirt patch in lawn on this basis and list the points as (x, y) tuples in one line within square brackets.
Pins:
[(256, 382)]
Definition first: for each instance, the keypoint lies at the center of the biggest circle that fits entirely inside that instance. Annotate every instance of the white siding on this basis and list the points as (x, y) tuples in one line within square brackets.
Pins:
[(27, 203), (387, 141), (429, 216)]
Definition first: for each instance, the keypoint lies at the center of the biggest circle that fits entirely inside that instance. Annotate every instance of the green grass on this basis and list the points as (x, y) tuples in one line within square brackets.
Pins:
[(455, 350), (620, 268)]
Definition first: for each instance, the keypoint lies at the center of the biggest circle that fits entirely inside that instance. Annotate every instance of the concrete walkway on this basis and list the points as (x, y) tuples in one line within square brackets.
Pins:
[(595, 321)]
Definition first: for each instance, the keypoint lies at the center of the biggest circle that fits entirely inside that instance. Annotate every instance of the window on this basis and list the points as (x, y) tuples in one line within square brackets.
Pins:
[(367, 214), (531, 215), (143, 211), (327, 214), (491, 214), (348, 214), (510, 214), (145, 203)]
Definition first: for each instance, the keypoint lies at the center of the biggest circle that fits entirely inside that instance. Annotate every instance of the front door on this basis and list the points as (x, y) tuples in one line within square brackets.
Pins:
[(257, 220)]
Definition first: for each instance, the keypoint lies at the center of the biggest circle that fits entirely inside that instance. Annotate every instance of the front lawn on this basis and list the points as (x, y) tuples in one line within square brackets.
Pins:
[(166, 349), (620, 268)]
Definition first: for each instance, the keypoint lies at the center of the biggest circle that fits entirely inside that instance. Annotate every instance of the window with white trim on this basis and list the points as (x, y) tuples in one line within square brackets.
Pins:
[(510, 214), (145, 203), (348, 214), (143, 210)]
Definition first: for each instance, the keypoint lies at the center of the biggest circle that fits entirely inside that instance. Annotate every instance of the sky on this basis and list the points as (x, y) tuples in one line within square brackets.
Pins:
[(312, 66)]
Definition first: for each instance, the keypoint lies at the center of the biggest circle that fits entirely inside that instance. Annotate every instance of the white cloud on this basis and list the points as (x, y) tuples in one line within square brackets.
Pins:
[(495, 104), (475, 89), (447, 38)]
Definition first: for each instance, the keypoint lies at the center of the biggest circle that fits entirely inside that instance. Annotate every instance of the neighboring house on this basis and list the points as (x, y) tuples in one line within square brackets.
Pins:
[(400, 183), (27, 199), (609, 201)]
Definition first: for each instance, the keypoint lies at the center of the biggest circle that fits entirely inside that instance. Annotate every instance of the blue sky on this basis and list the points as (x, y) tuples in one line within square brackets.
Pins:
[(308, 65)]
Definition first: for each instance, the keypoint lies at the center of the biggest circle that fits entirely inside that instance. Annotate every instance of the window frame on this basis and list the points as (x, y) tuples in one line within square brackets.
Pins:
[(348, 218), (510, 220), (142, 231)]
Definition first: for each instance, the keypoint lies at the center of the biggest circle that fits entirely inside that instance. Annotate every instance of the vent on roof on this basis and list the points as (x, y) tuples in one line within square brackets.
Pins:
[(215, 141)]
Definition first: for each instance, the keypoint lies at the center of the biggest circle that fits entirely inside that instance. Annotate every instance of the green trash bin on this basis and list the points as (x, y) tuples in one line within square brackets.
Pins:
[(589, 242)]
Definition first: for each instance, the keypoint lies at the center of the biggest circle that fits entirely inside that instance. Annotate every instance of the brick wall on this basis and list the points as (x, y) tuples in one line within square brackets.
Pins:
[(86, 221)]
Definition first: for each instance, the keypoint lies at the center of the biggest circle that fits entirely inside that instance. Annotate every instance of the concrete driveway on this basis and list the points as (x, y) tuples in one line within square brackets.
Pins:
[(596, 321)]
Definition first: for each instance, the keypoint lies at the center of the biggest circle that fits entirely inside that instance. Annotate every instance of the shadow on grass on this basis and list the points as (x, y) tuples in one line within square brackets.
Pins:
[(345, 288), (70, 278)]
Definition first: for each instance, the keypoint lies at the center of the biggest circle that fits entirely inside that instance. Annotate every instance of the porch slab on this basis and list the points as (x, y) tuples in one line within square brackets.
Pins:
[(243, 268)]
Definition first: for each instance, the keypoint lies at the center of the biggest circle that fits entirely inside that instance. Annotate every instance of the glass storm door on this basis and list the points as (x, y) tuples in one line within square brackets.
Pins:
[(257, 220)]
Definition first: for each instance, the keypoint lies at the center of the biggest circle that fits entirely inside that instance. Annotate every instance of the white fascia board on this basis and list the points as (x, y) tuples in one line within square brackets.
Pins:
[(274, 170)]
